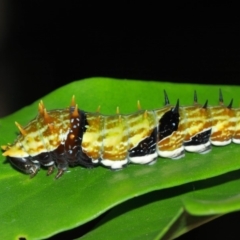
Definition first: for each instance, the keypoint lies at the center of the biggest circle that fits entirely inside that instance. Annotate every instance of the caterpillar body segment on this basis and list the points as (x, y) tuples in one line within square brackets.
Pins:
[(69, 137)]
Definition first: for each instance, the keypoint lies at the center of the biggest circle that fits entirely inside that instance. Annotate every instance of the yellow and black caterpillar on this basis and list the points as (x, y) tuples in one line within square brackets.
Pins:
[(70, 136)]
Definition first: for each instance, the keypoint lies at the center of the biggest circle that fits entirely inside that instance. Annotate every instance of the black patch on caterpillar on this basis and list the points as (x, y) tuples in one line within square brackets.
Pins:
[(200, 138), (168, 123), (75, 155), (146, 146)]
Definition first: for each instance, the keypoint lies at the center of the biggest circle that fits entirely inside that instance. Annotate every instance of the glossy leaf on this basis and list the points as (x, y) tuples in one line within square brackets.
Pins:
[(165, 214), (41, 207)]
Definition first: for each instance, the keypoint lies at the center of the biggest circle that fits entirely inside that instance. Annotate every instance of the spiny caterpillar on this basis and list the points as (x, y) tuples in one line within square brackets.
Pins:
[(68, 137)]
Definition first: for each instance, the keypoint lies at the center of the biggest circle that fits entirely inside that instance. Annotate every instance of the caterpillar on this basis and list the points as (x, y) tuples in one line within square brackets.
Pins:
[(70, 136)]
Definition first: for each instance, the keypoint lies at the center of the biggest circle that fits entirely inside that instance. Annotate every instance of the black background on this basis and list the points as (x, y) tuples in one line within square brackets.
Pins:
[(46, 44)]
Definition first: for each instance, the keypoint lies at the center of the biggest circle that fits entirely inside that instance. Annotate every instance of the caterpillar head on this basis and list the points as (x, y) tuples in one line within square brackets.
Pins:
[(24, 165)]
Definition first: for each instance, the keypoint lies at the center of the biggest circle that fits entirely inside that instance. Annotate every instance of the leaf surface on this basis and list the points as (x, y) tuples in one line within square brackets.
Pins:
[(40, 207)]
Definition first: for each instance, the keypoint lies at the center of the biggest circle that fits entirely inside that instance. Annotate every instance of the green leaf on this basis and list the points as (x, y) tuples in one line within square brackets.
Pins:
[(168, 213), (41, 207)]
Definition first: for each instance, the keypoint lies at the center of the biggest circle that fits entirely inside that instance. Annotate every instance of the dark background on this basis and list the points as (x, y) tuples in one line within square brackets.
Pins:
[(46, 44)]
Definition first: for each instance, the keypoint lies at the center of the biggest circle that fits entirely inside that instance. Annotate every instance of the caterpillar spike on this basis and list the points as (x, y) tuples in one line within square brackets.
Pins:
[(205, 105), (166, 99), (75, 113), (145, 114), (139, 105), (98, 109), (5, 147), (230, 104), (221, 102), (41, 108), (21, 129), (73, 103), (47, 118), (176, 109), (117, 110)]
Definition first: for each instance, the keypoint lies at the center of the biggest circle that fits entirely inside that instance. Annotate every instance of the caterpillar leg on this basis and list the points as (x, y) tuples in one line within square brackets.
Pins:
[(62, 165), (50, 170), (59, 173), (34, 172)]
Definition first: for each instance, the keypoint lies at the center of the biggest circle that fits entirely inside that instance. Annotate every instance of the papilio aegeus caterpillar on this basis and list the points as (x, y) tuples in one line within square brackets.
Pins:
[(70, 136)]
